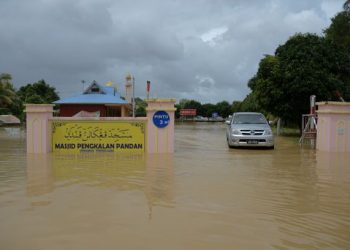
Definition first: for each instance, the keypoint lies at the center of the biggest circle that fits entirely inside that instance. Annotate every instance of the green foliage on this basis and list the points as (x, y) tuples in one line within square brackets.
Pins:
[(141, 112), (305, 65), (8, 96), (183, 102), (11, 101), (236, 106), (208, 109), (5, 78), (189, 104), (249, 104), (177, 111), (223, 108), (140, 107), (38, 92), (339, 31), (192, 104)]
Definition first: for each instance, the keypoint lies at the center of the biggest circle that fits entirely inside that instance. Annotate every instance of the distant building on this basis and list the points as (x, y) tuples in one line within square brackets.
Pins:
[(96, 100), (9, 120)]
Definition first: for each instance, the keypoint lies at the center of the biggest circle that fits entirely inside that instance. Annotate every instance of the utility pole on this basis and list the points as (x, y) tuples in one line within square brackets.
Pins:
[(148, 87), (83, 82), (133, 96)]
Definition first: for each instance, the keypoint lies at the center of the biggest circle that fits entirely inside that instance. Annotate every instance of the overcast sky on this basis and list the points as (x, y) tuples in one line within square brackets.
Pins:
[(205, 50)]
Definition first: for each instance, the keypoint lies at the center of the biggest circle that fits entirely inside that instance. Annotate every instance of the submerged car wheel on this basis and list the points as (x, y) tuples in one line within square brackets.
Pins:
[(228, 144)]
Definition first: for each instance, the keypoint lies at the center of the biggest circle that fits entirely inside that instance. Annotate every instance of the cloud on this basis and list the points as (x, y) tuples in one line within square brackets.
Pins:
[(331, 7), (204, 50), (309, 17), (213, 36)]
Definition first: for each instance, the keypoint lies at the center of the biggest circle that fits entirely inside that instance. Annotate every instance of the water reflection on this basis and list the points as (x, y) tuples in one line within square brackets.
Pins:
[(14, 131), (152, 174), (159, 188), (40, 178)]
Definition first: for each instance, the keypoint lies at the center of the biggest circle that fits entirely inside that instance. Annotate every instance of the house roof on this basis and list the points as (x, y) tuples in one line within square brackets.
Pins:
[(95, 94)]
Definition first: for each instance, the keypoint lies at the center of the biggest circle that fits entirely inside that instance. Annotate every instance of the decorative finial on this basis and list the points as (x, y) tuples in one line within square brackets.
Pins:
[(128, 77)]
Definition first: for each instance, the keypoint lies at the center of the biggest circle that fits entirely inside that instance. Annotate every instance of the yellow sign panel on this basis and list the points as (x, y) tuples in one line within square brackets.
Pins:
[(98, 136)]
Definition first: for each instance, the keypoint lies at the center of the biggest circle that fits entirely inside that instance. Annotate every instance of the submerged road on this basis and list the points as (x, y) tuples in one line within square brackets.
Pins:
[(204, 196)]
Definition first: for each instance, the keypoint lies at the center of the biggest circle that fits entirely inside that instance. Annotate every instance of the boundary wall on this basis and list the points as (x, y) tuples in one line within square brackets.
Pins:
[(157, 139), (333, 126)]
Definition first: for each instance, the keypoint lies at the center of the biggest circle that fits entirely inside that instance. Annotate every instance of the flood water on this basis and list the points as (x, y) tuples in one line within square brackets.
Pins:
[(204, 196)]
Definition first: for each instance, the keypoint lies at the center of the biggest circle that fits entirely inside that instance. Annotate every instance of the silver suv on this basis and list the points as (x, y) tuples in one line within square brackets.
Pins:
[(249, 129)]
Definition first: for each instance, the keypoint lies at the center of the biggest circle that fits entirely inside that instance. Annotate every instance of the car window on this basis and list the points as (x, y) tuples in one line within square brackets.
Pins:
[(249, 119)]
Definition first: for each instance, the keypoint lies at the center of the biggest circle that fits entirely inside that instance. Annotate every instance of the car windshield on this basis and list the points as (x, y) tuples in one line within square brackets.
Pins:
[(249, 119)]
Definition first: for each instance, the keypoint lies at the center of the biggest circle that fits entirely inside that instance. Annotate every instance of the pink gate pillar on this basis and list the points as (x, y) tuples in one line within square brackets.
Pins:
[(38, 127), (160, 140), (333, 126)]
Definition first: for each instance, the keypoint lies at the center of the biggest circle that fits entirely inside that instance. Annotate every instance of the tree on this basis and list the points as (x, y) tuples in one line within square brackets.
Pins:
[(38, 92), (5, 78), (250, 104), (236, 106), (140, 107), (264, 85), (7, 93), (177, 111), (339, 34), (339, 30), (305, 65), (223, 108), (191, 104), (141, 112), (183, 102), (208, 109)]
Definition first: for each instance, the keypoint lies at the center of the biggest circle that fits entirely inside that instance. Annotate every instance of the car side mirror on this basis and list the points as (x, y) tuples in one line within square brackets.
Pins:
[(228, 122)]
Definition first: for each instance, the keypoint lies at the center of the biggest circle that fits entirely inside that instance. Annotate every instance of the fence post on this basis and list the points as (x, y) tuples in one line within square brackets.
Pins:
[(333, 126), (38, 127), (160, 138)]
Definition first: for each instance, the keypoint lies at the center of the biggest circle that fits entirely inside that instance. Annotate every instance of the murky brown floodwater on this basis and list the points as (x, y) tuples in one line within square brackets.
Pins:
[(204, 196)]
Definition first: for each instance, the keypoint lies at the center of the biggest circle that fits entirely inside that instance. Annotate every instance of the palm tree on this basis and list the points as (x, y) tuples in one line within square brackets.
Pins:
[(5, 78), (7, 93)]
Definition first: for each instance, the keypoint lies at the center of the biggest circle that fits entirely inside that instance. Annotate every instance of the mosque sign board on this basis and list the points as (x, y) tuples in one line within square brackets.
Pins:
[(96, 136)]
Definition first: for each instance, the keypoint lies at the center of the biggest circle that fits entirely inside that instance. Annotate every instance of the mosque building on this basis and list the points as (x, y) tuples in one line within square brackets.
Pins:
[(98, 101)]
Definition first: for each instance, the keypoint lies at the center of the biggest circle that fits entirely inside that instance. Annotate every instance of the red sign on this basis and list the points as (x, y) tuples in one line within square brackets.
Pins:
[(188, 112)]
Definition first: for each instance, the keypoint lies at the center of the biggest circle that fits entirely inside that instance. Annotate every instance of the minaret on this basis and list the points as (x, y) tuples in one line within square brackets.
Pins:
[(128, 88)]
